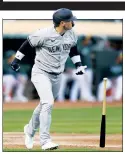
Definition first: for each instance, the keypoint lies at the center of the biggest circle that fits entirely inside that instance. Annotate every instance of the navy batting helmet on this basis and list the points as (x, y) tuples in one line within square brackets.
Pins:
[(63, 14)]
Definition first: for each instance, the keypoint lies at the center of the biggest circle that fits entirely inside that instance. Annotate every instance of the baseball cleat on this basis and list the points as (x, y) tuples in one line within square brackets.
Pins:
[(28, 138), (50, 146)]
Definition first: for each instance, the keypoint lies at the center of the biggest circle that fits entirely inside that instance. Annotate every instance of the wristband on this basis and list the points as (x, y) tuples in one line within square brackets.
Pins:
[(19, 55)]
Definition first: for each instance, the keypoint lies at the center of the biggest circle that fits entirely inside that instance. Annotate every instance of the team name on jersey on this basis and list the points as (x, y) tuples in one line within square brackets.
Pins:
[(57, 48), (66, 46), (53, 49)]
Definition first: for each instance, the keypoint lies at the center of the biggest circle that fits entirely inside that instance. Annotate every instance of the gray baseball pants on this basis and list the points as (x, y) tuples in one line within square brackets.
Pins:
[(47, 86)]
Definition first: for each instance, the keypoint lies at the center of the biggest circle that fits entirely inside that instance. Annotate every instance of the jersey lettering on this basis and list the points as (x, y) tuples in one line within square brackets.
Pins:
[(57, 48), (53, 49), (66, 46)]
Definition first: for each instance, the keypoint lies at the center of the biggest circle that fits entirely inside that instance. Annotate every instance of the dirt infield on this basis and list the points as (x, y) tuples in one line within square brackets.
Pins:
[(15, 140), (66, 104), (113, 142)]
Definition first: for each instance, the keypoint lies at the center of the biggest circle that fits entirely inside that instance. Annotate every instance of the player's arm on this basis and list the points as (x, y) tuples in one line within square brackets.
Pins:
[(34, 40), (75, 57), (22, 51)]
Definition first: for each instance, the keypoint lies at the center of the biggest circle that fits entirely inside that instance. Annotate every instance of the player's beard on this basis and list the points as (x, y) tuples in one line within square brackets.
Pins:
[(67, 28)]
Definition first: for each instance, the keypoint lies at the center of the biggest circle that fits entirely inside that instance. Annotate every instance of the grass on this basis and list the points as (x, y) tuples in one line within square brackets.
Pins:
[(58, 150), (80, 120)]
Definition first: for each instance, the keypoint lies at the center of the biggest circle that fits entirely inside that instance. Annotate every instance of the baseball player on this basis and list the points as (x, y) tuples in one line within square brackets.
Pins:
[(53, 45)]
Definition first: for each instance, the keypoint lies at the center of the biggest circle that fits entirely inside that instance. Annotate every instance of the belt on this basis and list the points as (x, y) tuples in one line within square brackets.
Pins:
[(52, 72)]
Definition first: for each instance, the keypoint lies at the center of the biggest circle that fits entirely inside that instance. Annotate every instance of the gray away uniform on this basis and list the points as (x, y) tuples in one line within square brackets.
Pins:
[(52, 51)]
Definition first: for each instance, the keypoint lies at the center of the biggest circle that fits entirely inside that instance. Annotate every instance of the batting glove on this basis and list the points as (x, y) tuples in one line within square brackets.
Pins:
[(81, 70), (15, 64)]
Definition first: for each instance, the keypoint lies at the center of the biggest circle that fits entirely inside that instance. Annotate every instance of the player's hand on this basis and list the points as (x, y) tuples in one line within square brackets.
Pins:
[(15, 64), (81, 70)]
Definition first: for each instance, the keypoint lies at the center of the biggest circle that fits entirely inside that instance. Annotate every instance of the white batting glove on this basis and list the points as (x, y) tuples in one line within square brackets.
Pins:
[(81, 70)]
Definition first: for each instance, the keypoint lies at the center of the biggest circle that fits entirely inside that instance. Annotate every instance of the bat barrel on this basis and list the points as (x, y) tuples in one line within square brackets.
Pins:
[(103, 131)]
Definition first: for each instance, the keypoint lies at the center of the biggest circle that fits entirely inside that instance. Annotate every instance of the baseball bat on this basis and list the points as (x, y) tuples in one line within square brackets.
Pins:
[(103, 120)]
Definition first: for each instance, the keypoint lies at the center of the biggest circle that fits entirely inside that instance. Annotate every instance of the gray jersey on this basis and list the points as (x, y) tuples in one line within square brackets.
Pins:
[(52, 49)]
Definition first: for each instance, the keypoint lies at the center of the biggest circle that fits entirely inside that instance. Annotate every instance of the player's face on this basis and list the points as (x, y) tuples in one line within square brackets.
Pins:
[(67, 25)]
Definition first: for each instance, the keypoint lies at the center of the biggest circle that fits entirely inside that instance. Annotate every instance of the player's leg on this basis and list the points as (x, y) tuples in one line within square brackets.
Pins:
[(118, 88), (9, 82), (21, 83), (108, 91), (34, 121), (64, 79), (89, 74), (74, 91), (42, 113), (31, 127), (56, 85), (86, 86)]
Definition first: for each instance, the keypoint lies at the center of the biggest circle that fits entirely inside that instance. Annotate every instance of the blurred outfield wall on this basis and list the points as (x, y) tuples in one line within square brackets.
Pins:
[(25, 27)]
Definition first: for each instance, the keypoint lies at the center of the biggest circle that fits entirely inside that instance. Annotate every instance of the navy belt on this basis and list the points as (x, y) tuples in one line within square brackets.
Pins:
[(52, 72)]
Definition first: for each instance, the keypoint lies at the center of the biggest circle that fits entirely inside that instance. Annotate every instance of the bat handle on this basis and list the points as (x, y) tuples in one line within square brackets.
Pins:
[(104, 97)]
